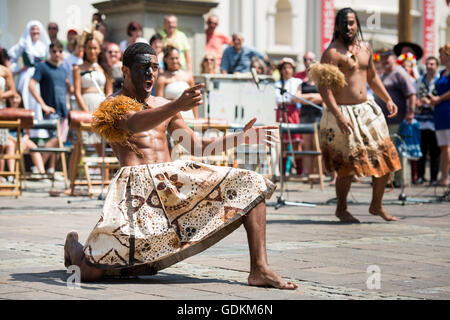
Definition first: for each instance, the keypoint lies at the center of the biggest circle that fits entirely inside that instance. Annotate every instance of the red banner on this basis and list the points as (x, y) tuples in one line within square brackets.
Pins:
[(429, 31), (328, 16)]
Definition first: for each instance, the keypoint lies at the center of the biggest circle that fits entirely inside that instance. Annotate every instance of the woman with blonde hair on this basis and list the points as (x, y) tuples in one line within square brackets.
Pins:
[(209, 64)]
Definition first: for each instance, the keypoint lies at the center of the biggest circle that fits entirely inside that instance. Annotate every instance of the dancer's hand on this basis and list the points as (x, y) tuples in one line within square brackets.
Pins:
[(268, 135), (345, 125), (191, 98), (392, 108)]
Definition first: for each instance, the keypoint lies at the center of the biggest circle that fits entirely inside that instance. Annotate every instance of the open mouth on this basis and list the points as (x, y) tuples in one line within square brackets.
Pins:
[(148, 86)]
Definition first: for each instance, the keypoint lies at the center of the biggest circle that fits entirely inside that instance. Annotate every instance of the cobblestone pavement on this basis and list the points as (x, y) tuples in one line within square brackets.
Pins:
[(327, 259)]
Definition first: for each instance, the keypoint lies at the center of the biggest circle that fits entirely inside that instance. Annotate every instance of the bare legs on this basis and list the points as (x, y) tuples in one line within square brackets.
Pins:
[(445, 165), (376, 206), (74, 255), (260, 273), (255, 225), (342, 189)]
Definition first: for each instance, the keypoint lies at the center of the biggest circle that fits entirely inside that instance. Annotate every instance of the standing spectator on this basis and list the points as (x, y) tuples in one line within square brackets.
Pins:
[(209, 64), (425, 116), (293, 86), (309, 114), (414, 49), (53, 29), (176, 38), (53, 82), (402, 91), (71, 42), (237, 58), (215, 39), (173, 81), (156, 41), (441, 103), (408, 62), (114, 65), (134, 32), (33, 48), (75, 58), (308, 58)]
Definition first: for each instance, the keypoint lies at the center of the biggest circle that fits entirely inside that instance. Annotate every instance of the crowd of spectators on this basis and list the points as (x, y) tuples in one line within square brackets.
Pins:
[(52, 76)]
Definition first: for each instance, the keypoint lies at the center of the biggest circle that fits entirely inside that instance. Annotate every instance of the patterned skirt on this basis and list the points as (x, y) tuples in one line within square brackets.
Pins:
[(158, 214), (368, 151)]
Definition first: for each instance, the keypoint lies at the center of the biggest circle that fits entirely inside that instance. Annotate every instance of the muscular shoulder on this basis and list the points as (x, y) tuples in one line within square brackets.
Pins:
[(331, 55)]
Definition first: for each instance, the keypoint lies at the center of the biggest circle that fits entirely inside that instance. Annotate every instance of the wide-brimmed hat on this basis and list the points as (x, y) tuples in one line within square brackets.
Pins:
[(385, 52), (284, 61), (418, 52)]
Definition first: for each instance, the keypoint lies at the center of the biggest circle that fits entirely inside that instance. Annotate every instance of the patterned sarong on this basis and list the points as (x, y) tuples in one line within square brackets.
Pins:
[(158, 214), (368, 151)]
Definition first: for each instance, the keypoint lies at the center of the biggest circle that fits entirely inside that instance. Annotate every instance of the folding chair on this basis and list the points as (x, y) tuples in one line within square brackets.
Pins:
[(15, 188), (83, 161), (306, 128)]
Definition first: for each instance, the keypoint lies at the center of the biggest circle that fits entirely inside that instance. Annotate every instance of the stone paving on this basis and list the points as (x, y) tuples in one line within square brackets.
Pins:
[(327, 259)]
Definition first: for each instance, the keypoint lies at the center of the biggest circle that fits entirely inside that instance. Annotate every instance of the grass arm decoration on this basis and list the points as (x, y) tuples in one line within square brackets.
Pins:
[(109, 113), (327, 75)]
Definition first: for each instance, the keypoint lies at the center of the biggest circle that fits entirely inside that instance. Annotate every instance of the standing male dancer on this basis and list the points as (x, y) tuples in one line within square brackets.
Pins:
[(353, 133), (158, 212)]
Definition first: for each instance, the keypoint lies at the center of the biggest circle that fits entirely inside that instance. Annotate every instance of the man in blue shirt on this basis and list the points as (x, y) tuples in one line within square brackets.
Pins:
[(53, 82), (237, 58)]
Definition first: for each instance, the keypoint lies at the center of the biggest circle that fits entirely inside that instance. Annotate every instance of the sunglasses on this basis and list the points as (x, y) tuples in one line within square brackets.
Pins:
[(111, 52), (208, 59), (56, 51), (213, 23)]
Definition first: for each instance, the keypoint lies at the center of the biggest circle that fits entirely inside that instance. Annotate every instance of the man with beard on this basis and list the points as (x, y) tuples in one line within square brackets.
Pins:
[(353, 133), (159, 212)]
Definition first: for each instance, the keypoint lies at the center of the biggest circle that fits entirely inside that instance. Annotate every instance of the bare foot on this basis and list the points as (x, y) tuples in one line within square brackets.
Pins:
[(345, 216), (267, 277), (382, 213), (70, 239)]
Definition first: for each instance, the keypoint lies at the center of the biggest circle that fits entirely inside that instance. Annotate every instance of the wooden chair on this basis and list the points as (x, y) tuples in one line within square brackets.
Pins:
[(14, 188), (83, 160), (306, 128)]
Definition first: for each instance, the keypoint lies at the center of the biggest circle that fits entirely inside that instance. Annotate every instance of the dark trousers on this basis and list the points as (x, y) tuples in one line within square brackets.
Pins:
[(428, 145)]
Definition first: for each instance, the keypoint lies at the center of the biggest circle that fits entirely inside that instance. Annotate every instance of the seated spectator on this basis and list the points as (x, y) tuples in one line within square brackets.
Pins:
[(15, 101), (259, 65), (173, 81), (134, 32), (209, 64), (237, 58)]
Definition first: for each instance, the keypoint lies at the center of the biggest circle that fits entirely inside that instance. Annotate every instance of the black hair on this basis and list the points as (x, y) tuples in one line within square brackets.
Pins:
[(340, 16), (133, 50), (57, 44), (4, 56), (433, 58), (167, 50), (156, 36)]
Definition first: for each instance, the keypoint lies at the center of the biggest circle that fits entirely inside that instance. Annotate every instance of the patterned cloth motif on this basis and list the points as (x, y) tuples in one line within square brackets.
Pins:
[(368, 151), (155, 211)]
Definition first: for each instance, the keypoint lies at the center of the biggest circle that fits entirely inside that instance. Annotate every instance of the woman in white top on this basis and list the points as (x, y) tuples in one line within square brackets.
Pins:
[(7, 90), (293, 86), (173, 81), (33, 47), (134, 32), (91, 83)]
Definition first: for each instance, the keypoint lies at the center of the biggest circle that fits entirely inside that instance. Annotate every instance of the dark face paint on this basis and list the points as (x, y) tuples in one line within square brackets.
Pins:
[(143, 74)]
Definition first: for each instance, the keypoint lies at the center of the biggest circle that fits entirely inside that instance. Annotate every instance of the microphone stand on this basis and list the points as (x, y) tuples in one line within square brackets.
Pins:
[(281, 202)]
